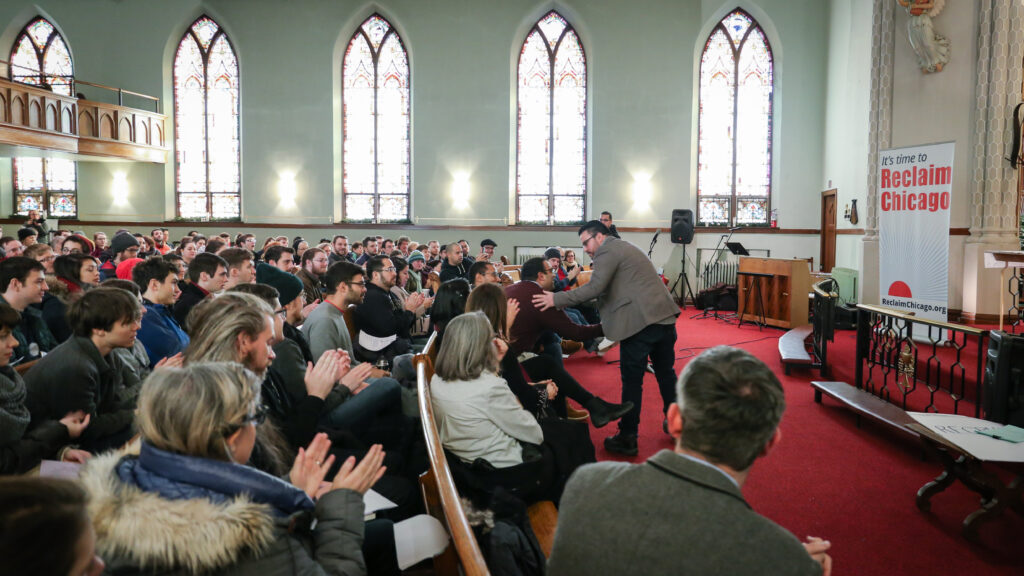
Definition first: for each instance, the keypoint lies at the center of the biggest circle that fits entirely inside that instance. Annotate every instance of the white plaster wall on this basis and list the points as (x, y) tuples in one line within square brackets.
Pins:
[(846, 118), (929, 108)]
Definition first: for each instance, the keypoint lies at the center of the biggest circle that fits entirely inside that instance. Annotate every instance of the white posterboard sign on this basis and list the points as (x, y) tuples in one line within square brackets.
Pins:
[(915, 186)]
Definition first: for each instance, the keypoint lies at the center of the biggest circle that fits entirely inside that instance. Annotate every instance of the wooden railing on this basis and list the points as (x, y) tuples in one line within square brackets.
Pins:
[(34, 117), (824, 323), (919, 364)]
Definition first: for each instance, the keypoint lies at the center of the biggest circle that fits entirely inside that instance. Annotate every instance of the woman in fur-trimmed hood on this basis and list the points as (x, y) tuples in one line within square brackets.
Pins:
[(185, 505)]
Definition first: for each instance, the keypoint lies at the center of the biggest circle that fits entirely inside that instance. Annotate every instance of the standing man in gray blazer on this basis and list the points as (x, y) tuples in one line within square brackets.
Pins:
[(682, 511), (637, 311)]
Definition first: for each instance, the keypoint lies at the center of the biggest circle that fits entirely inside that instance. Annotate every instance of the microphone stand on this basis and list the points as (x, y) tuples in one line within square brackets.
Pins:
[(653, 242), (722, 239)]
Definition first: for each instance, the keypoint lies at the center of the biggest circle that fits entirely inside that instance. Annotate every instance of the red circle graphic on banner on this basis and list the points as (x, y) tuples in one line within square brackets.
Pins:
[(900, 289)]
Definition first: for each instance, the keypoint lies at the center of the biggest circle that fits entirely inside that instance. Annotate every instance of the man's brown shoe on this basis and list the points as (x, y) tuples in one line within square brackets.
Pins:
[(574, 414), (571, 346)]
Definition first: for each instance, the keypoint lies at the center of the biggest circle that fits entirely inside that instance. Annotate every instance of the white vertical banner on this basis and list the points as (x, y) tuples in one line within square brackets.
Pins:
[(914, 193)]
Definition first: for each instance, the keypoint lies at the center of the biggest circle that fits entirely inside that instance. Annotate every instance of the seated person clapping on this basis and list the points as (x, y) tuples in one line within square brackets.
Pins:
[(188, 504)]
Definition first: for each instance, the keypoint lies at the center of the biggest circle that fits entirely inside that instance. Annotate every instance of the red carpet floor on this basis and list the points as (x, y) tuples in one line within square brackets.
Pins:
[(828, 478)]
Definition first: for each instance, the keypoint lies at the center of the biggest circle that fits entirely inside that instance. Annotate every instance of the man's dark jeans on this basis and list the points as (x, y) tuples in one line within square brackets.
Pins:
[(656, 341)]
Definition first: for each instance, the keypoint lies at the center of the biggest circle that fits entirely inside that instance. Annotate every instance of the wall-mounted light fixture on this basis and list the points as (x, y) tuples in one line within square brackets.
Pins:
[(286, 188), (641, 191), (461, 190), (119, 188)]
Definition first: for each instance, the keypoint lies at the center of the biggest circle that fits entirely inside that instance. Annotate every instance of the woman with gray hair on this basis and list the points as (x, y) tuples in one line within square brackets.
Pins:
[(480, 420), (188, 504)]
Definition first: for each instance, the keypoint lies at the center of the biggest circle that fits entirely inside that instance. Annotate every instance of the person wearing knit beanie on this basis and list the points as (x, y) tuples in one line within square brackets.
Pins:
[(288, 286), (122, 242)]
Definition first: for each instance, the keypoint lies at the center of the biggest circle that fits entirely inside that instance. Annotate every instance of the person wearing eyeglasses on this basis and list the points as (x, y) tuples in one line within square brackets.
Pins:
[(187, 503), (312, 267), (385, 322), (637, 311)]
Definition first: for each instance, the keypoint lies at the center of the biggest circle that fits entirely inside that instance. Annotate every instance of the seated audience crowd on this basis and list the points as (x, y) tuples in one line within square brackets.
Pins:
[(229, 407)]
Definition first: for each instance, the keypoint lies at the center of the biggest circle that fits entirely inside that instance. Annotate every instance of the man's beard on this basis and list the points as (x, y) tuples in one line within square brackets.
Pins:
[(249, 362)]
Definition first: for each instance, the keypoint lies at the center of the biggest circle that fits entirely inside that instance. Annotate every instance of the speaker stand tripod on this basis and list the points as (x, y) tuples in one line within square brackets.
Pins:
[(683, 281)]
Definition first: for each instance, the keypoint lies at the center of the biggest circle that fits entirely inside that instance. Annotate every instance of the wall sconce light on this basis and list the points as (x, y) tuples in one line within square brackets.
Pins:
[(461, 190), (641, 191), (119, 189), (286, 188)]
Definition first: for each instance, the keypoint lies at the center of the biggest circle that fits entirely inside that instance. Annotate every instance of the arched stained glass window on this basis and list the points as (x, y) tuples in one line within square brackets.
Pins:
[(40, 57), (207, 153), (551, 152), (375, 125), (734, 158)]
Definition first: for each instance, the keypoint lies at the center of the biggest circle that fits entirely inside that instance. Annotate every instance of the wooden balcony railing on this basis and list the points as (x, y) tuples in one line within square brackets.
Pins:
[(35, 117)]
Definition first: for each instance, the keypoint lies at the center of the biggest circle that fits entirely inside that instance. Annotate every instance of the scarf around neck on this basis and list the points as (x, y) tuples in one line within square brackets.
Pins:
[(14, 416)]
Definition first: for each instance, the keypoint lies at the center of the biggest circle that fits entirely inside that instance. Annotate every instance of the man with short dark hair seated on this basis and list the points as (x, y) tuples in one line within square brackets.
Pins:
[(83, 374), (384, 322), (687, 504), (280, 257), (453, 265), (313, 267), (241, 269), (23, 284), (533, 328), (483, 272), (160, 333), (207, 274)]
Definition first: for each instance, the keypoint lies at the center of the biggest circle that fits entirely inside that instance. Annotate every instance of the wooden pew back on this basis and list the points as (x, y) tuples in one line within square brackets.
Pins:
[(439, 493), (350, 323)]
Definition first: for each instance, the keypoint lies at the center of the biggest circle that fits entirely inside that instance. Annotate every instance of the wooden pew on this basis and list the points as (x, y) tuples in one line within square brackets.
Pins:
[(350, 323), (439, 494), (25, 367), (430, 349), (583, 277)]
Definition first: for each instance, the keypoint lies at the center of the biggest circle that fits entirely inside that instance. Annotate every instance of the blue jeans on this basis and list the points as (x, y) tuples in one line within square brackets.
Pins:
[(550, 344), (357, 413), (657, 341)]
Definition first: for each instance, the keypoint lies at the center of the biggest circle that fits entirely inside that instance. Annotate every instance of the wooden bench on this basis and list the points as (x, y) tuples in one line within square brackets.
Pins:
[(865, 404), (583, 277), (793, 347), (430, 349), (25, 367), (350, 323), (512, 274), (439, 495)]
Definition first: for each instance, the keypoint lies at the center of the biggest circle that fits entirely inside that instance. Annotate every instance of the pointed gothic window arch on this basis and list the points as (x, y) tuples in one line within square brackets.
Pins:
[(375, 125), (207, 151), (40, 56), (734, 155), (551, 147)]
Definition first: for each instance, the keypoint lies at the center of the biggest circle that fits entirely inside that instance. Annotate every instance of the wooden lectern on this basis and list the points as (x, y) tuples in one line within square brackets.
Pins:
[(784, 294), (1003, 259)]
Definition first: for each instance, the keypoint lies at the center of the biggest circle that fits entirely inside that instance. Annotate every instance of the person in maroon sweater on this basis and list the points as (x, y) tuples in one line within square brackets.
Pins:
[(531, 323)]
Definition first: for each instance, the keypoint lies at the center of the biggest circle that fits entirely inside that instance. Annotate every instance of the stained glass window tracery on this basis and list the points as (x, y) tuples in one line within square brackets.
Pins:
[(207, 151), (39, 56), (375, 125), (735, 125), (46, 184), (551, 152)]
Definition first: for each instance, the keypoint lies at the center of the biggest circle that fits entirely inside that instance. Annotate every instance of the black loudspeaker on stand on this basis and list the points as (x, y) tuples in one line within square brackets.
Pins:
[(682, 233)]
